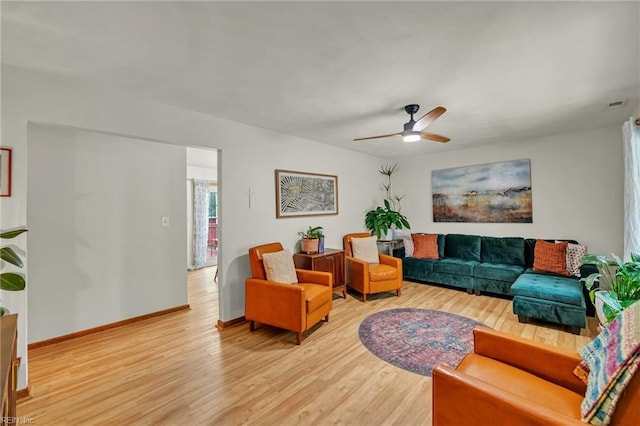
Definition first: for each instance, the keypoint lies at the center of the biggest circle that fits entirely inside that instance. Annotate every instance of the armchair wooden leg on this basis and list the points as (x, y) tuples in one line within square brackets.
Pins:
[(398, 291), (344, 294), (298, 338), (326, 319), (252, 325), (364, 297)]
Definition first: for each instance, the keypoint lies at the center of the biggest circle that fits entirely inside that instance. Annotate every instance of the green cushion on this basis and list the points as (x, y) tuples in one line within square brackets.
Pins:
[(559, 313), (551, 274), (485, 285), (441, 244), (494, 271), (417, 268), (506, 250), (549, 287), (529, 247), (460, 246), (455, 266), (454, 280)]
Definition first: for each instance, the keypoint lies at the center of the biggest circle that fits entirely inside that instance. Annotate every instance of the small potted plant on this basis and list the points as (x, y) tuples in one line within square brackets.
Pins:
[(310, 239), (381, 220), (615, 286)]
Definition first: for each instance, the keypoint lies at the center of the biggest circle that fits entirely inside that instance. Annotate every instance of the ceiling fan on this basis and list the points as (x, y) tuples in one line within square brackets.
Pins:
[(413, 129)]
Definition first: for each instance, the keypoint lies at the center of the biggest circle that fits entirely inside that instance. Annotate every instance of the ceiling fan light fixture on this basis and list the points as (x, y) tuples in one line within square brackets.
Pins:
[(413, 130), (411, 136)]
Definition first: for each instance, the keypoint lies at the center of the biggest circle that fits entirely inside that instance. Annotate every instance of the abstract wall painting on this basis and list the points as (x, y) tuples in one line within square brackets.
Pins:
[(5, 172), (491, 193), (305, 194)]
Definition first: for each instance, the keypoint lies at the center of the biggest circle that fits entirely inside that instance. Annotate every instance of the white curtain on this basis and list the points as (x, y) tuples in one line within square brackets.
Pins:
[(631, 137), (200, 222)]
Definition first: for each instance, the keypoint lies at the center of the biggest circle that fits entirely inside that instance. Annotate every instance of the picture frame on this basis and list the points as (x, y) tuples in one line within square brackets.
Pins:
[(484, 193), (305, 194), (5, 172)]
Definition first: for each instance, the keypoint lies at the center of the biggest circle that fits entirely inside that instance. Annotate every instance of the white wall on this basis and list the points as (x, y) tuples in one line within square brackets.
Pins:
[(248, 154), (97, 250), (577, 188), (202, 173)]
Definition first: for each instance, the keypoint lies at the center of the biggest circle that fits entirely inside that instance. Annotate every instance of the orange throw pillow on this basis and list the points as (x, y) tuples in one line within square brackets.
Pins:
[(550, 257), (425, 246)]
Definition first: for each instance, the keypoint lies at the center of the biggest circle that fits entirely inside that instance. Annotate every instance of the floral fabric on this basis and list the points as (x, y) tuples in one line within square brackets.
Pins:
[(612, 358)]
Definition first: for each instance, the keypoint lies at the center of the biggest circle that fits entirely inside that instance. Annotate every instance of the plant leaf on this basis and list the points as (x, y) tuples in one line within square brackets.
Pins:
[(405, 222), (12, 234), (611, 300), (8, 255), (12, 282)]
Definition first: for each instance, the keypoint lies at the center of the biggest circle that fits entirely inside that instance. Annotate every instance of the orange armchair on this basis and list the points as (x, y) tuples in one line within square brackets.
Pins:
[(371, 278), (509, 380), (295, 307)]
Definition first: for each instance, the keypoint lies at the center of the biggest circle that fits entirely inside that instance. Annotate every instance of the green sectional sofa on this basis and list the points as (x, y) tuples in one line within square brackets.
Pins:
[(502, 266)]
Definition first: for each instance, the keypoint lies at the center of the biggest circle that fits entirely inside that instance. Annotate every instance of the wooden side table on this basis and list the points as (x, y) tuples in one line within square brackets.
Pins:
[(9, 367), (332, 260)]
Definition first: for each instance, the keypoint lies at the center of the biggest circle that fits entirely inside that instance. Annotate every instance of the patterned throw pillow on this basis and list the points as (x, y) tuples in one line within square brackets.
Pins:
[(408, 245), (550, 257), (575, 253), (279, 267), (365, 249), (425, 246)]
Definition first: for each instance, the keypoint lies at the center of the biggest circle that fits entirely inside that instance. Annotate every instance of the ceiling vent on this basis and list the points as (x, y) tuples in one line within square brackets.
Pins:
[(616, 104)]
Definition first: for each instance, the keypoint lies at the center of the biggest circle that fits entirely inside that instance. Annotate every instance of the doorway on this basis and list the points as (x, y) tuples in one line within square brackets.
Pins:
[(202, 208)]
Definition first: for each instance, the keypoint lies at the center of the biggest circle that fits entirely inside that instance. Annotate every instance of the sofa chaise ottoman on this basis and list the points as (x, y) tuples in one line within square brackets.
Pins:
[(550, 298)]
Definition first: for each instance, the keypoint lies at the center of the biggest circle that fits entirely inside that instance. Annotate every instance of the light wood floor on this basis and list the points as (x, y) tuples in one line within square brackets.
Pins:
[(180, 370)]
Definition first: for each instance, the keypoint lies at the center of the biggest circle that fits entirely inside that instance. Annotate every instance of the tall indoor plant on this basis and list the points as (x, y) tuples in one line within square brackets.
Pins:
[(616, 284), (11, 281), (380, 220), (394, 199)]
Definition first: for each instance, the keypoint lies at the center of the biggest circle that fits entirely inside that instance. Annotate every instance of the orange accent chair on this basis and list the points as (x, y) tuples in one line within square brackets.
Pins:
[(295, 307), (509, 380), (369, 278)]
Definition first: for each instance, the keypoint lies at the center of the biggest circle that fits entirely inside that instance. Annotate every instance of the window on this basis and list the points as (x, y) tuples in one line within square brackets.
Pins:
[(213, 205)]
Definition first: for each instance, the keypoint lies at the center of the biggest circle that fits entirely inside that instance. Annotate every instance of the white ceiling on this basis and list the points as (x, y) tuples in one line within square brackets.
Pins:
[(330, 72)]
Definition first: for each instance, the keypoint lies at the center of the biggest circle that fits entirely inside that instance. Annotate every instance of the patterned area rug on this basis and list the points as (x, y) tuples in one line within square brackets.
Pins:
[(418, 340)]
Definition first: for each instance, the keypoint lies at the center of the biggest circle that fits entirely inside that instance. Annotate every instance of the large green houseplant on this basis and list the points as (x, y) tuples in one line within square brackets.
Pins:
[(616, 284), (380, 220), (10, 281)]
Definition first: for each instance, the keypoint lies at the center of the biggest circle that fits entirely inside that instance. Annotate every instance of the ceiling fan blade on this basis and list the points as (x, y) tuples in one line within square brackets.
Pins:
[(434, 137), (379, 137), (428, 118)]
